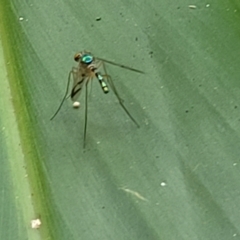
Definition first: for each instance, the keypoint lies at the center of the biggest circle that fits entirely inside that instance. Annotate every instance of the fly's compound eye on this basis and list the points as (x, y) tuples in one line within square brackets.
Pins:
[(77, 57), (87, 59)]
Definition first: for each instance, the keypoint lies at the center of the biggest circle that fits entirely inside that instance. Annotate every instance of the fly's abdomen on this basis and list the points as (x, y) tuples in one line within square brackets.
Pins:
[(102, 82)]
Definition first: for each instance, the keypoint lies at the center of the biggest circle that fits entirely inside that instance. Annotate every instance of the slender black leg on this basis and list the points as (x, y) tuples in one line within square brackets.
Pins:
[(65, 95), (111, 84), (86, 114)]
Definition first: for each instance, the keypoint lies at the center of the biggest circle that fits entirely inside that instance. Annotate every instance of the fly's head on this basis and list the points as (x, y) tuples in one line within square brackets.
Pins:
[(84, 57)]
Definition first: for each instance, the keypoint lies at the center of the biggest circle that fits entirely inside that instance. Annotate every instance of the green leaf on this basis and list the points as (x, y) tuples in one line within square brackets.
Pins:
[(176, 177)]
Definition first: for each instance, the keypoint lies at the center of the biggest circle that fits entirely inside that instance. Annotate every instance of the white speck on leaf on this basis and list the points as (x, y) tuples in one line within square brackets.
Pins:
[(134, 193), (36, 223), (192, 6), (163, 184)]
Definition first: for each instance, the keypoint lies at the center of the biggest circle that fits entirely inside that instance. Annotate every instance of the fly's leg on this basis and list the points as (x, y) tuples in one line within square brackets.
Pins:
[(120, 100), (86, 114), (72, 72), (119, 65)]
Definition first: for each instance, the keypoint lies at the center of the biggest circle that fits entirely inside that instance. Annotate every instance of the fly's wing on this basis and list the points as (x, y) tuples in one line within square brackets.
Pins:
[(79, 79), (119, 65)]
